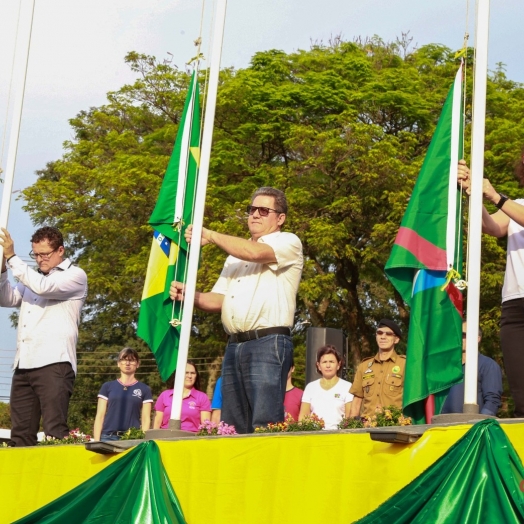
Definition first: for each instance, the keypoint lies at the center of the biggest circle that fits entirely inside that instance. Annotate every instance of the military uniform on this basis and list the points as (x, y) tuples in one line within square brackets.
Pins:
[(379, 382)]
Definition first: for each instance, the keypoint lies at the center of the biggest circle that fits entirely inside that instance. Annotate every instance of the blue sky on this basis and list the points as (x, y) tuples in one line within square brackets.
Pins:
[(78, 49)]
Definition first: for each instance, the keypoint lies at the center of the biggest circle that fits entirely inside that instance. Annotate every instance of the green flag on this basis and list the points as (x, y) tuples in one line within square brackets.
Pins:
[(479, 479), (427, 247), (135, 488), (168, 258)]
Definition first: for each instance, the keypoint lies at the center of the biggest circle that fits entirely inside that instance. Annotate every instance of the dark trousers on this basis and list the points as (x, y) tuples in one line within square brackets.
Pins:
[(512, 344), (254, 376), (40, 392)]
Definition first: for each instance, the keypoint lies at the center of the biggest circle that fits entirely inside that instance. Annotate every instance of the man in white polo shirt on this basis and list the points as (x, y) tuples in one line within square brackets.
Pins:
[(256, 294), (50, 300)]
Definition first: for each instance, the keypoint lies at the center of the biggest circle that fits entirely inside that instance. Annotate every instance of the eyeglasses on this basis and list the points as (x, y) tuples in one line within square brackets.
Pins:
[(387, 333), (262, 211), (43, 256)]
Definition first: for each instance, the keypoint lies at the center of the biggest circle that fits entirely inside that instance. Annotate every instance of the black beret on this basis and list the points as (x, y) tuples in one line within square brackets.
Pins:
[(391, 325)]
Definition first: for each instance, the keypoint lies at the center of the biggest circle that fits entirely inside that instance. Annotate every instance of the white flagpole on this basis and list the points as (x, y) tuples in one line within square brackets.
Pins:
[(475, 206), (15, 126), (194, 253)]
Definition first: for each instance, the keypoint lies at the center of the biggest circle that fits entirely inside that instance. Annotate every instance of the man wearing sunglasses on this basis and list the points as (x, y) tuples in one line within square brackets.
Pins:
[(379, 380), (256, 295), (50, 300)]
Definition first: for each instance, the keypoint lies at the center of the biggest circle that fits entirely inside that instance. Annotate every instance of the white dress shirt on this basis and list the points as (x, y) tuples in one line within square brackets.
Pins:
[(262, 295), (50, 307)]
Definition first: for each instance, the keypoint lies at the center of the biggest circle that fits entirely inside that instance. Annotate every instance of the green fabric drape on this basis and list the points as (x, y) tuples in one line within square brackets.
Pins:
[(134, 489), (479, 479)]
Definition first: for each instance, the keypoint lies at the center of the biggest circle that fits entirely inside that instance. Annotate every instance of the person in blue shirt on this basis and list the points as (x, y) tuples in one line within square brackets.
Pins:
[(489, 380), (216, 403), (123, 403)]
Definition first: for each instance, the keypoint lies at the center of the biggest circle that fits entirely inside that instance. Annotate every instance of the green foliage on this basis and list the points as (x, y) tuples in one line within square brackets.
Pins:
[(388, 416), (133, 434), (5, 416), (308, 423), (342, 128)]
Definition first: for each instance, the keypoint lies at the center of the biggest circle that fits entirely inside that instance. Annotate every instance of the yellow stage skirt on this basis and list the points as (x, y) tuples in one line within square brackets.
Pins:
[(278, 478)]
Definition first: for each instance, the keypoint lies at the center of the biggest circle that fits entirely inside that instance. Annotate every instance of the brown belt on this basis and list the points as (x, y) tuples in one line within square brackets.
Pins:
[(258, 333)]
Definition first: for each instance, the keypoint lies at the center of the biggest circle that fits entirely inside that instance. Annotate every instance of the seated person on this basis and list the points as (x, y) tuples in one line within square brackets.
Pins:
[(195, 405), (123, 403), (489, 384), (293, 398), (328, 397)]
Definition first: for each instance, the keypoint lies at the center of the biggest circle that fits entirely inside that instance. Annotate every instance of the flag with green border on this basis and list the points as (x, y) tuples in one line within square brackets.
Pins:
[(168, 258), (479, 479), (428, 245), (134, 488)]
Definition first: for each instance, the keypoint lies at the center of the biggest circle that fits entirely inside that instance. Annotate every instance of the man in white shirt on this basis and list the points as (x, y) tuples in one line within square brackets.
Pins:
[(256, 294), (50, 301)]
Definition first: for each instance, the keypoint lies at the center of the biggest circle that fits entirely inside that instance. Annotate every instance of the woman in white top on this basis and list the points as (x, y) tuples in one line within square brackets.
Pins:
[(328, 397)]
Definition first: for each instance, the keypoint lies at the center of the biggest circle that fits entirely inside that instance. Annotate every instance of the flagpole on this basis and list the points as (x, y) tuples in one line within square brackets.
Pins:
[(15, 129), (475, 206), (194, 253)]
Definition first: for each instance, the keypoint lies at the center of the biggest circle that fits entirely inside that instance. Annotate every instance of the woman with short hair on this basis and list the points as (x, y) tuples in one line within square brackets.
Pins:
[(123, 403), (328, 397)]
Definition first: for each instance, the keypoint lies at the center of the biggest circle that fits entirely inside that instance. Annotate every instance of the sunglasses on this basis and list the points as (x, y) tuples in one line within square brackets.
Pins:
[(387, 333), (262, 211)]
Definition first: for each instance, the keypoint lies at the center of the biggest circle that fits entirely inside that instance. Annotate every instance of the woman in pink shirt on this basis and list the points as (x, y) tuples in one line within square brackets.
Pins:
[(195, 404)]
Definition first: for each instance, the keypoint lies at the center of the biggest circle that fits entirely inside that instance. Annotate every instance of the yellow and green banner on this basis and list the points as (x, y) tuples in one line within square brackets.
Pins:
[(134, 489), (158, 322), (480, 479)]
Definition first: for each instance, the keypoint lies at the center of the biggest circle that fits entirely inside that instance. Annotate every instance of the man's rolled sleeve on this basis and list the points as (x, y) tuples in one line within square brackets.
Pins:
[(287, 248), (57, 285)]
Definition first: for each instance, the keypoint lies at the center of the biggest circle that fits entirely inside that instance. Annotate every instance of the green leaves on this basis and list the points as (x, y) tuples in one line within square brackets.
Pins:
[(341, 128)]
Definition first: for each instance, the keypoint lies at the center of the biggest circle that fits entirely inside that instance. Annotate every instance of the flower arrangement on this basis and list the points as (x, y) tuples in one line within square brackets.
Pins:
[(133, 434), (75, 437), (388, 416), (309, 423), (208, 428)]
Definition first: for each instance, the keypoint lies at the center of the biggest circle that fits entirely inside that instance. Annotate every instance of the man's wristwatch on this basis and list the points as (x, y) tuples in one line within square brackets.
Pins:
[(502, 201)]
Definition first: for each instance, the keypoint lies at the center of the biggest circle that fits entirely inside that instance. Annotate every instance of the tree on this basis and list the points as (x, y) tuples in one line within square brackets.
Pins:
[(5, 415), (342, 128)]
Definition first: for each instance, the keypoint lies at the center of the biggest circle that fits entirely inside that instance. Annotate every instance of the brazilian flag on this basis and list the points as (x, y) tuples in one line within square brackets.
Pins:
[(157, 322)]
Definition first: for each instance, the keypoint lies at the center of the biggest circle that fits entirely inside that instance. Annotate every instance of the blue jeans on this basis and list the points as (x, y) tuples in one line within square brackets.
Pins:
[(254, 376), (106, 437)]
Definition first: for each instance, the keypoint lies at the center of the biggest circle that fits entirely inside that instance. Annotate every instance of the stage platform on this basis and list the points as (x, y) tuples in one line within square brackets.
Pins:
[(321, 477)]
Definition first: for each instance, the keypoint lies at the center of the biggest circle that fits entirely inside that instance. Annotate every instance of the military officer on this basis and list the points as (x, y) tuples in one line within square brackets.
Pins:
[(379, 380)]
